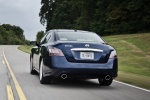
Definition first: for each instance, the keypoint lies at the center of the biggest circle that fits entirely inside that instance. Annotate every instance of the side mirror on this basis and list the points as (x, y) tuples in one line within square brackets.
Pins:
[(37, 44)]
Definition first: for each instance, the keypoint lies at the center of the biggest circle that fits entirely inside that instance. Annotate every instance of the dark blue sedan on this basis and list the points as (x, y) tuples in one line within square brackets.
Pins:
[(73, 54)]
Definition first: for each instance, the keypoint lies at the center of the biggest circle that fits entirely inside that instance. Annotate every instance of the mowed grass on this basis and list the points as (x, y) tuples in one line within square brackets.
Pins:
[(134, 57), (25, 48), (134, 79)]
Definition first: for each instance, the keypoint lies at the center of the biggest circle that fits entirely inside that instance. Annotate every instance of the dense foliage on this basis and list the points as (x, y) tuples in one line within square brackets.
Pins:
[(102, 16), (39, 36), (11, 35)]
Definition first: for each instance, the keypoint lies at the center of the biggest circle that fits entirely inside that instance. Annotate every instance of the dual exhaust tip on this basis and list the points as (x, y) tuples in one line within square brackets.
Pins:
[(64, 76), (107, 77)]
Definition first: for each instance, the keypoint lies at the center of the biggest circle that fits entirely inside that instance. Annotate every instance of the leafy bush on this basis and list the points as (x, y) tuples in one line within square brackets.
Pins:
[(11, 35)]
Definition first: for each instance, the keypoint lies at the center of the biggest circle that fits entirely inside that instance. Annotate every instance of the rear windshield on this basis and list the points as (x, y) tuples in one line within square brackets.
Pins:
[(79, 36)]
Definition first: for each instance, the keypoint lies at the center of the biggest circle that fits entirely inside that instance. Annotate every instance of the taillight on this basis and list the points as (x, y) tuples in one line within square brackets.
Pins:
[(113, 54), (55, 52)]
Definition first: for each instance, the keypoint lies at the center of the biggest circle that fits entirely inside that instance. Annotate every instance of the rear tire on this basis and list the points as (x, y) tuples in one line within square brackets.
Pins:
[(32, 71), (43, 80), (104, 82)]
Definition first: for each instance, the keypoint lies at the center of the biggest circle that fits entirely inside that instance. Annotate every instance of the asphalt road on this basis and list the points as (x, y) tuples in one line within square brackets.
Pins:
[(31, 89)]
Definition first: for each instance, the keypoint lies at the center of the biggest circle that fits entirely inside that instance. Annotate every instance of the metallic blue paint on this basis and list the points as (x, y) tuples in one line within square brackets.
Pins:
[(71, 63)]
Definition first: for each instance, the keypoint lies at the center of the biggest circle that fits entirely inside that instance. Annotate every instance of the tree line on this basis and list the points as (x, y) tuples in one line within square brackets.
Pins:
[(104, 17), (11, 35)]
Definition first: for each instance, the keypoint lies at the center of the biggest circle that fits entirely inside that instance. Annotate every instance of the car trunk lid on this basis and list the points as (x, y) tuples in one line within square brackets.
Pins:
[(85, 52)]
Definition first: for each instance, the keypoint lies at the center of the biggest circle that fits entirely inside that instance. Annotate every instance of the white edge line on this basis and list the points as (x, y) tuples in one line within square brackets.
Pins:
[(132, 86), (17, 48), (3, 62)]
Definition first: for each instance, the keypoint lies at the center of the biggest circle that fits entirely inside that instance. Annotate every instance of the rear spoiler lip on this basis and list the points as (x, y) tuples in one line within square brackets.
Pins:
[(78, 42)]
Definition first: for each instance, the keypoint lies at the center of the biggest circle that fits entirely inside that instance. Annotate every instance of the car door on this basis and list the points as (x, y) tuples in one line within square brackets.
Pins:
[(37, 52), (43, 41)]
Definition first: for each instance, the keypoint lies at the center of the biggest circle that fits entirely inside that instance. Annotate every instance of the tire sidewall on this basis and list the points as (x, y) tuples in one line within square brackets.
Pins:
[(41, 71), (31, 65)]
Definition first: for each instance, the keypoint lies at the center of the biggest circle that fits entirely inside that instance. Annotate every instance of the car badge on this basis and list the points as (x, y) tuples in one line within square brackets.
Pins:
[(87, 45)]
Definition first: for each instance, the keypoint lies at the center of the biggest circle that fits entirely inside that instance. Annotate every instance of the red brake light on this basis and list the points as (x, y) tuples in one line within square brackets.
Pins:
[(55, 52), (113, 54)]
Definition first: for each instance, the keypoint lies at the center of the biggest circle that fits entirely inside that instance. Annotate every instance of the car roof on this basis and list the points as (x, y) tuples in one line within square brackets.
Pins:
[(69, 30)]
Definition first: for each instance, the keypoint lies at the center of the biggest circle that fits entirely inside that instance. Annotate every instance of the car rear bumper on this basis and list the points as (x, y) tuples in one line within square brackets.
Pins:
[(82, 73), (55, 66)]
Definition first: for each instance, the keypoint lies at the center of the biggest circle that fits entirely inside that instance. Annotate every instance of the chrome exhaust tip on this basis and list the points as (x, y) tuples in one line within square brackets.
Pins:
[(107, 77), (64, 76)]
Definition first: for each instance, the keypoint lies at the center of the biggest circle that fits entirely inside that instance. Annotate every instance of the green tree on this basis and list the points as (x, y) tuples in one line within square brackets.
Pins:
[(39, 36), (101, 16), (11, 34)]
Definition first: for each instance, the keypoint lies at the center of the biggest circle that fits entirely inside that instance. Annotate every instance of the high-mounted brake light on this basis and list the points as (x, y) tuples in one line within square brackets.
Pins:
[(55, 52), (113, 54)]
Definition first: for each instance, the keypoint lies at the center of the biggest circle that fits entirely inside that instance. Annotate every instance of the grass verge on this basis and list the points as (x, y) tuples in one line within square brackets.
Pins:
[(134, 58), (25, 48), (134, 79)]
